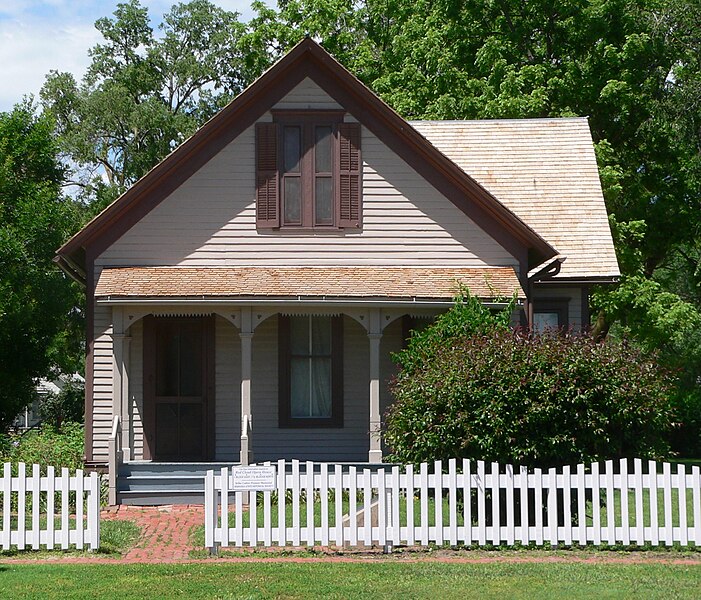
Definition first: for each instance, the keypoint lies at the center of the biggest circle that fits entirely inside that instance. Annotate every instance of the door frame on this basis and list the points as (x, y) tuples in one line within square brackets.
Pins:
[(149, 382)]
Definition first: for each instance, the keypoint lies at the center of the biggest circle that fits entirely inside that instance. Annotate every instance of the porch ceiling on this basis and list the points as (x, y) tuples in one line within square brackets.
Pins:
[(256, 283)]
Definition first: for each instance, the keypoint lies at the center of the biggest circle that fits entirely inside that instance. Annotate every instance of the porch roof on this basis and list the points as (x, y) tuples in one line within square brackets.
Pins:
[(328, 282)]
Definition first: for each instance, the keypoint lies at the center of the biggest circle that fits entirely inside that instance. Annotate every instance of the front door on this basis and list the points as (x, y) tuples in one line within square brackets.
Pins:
[(178, 369)]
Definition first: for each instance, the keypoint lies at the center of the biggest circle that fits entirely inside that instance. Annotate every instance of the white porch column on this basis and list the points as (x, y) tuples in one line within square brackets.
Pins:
[(375, 335), (246, 335), (120, 378)]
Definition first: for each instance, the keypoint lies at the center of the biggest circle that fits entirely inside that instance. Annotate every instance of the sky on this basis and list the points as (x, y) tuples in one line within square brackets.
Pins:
[(37, 36)]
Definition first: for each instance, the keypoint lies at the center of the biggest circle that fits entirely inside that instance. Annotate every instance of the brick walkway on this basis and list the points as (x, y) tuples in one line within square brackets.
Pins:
[(165, 530)]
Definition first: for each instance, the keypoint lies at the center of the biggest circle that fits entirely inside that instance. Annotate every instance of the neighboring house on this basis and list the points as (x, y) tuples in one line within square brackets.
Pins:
[(245, 296), (30, 416)]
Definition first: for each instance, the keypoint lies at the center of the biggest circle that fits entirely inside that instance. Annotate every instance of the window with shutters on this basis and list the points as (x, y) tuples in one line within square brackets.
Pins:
[(308, 171)]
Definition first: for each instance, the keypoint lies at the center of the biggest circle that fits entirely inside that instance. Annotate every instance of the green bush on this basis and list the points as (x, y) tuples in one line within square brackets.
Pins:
[(538, 399), (48, 447)]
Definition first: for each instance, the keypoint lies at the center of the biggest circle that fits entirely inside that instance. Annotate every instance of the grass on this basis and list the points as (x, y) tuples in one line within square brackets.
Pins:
[(116, 537), (381, 579)]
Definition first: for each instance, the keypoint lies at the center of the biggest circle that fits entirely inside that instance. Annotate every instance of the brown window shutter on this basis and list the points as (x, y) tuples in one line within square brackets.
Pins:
[(349, 178), (267, 187)]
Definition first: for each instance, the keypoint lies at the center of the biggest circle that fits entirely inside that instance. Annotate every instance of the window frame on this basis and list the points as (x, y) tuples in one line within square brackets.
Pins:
[(558, 306), (345, 175), (285, 418), (308, 121)]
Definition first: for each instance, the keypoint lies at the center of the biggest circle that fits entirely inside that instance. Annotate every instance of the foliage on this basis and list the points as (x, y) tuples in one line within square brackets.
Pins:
[(144, 94), (40, 327), (66, 406), (49, 446), (534, 399)]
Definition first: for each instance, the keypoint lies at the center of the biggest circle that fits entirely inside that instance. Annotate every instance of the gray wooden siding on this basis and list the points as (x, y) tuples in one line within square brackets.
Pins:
[(136, 387), (210, 221), (350, 443), (307, 95), (102, 382), (228, 392), (573, 294)]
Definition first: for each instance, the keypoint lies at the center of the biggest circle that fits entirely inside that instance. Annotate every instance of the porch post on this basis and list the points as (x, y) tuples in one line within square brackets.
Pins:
[(246, 335), (375, 335), (120, 379)]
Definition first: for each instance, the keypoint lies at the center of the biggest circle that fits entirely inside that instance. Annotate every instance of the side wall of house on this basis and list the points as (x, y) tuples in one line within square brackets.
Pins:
[(570, 295)]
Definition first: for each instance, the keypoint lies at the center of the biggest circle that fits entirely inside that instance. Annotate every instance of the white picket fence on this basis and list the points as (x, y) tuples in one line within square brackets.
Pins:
[(336, 505), (36, 509)]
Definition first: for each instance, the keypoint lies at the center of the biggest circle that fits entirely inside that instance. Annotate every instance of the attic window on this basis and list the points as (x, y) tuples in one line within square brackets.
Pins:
[(308, 171)]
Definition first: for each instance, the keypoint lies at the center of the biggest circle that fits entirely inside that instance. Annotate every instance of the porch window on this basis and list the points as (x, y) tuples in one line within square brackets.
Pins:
[(551, 313), (311, 370), (308, 171)]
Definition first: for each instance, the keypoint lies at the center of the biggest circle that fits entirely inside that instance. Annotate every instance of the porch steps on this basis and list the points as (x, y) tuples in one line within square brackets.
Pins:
[(150, 484)]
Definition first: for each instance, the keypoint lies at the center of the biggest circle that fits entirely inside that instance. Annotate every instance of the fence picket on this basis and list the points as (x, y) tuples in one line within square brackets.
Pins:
[(253, 518), (538, 505), (396, 520), (224, 481), (296, 489), (21, 507), (481, 504), (94, 511), (50, 508), (438, 496), (311, 527), (638, 485), (510, 521), (210, 507), (281, 500), (267, 519), (683, 539), (410, 532), (65, 525), (667, 483), (696, 483), (596, 503), (35, 484), (6, 506), (552, 506), (353, 506), (367, 508), (496, 516), (523, 483), (652, 490), (610, 504), (381, 507), (625, 517), (424, 504), (452, 503), (581, 505), (324, 492), (467, 500), (338, 503), (567, 504)]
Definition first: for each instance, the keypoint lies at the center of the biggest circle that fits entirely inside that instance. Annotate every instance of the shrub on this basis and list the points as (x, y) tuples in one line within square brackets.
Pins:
[(535, 399), (48, 446)]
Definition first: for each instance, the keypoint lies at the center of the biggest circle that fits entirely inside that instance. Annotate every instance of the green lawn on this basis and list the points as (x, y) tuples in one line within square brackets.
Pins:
[(381, 579), (116, 537)]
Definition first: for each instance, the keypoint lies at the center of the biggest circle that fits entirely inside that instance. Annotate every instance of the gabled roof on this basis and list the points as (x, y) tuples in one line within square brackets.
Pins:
[(306, 59), (545, 171)]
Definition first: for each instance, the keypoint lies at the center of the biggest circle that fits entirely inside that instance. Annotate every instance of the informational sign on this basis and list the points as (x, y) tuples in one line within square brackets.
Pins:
[(254, 478)]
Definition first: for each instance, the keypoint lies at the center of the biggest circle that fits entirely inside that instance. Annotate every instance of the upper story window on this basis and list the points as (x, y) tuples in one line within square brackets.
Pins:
[(308, 171)]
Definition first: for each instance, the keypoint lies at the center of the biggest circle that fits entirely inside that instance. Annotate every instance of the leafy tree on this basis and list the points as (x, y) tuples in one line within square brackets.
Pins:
[(39, 324), (484, 391), (144, 94)]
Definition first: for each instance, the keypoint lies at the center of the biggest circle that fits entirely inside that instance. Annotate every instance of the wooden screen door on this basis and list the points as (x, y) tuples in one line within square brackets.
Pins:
[(178, 385)]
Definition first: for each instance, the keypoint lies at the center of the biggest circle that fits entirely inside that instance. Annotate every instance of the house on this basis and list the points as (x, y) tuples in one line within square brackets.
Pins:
[(245, 296)]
